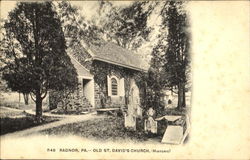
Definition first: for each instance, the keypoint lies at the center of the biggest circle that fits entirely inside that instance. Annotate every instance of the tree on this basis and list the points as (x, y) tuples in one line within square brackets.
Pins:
[(177, 51), (26, 98), (76, 28), (156, 79), (127, 26), (169, 66), (80, 34), (34, 52)]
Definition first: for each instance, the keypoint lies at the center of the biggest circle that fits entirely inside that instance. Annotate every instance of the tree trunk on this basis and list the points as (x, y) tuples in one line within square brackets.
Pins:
[(145, 94), (38, 108), (26, 98), (181, 96), (184, 96)]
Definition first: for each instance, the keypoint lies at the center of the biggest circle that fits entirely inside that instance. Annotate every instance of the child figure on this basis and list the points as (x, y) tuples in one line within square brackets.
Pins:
[(151, 124)]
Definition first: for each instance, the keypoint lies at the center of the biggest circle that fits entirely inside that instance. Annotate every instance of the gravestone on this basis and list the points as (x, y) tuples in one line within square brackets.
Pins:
[(130, 121), (151, 125), (133, 107), (173, 135)]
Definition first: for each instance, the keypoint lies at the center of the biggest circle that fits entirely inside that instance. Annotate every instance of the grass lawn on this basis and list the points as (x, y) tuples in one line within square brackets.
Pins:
[(12, 121), (109, 128), (9, 113), (13, 100), (21, 106)]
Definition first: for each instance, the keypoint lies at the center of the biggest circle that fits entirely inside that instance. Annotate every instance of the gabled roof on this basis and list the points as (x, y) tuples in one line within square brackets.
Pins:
[(81, 71), (114, 54)]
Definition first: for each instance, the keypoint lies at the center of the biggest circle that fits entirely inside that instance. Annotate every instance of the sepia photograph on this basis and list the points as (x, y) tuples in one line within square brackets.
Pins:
[(124, 79)]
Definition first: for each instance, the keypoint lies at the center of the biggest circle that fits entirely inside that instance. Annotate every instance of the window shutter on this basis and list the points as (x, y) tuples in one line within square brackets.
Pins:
[(121, 88), (109, 85)]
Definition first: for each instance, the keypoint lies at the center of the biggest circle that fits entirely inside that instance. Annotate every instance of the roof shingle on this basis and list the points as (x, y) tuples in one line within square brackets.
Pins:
[(112, 53), (81, 71)]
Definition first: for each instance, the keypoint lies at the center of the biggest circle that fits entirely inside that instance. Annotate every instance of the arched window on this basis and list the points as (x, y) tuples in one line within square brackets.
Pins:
[(114, 87)]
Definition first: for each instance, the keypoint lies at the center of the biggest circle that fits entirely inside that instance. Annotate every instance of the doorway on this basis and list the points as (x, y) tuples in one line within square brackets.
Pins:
[(88, 90)]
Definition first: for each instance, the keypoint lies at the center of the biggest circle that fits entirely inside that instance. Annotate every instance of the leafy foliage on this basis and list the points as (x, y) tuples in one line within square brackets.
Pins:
[(169, 65), (127, 26), (177, 53), (34, 52), (177, 49), (76, 28)]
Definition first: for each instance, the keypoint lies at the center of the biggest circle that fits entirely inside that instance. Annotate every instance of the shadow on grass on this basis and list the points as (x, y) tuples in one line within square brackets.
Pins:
[(105, 129), (9, 124)]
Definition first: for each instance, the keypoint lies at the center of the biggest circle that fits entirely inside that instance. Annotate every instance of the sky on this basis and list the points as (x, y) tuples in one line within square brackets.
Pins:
[(6, 7)]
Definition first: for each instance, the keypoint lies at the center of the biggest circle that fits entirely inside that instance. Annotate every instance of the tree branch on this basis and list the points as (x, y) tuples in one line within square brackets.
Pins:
[(45, 94), (32, 97), (171, 89)]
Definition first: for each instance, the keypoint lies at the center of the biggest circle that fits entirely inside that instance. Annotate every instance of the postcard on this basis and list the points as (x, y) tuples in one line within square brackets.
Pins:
[(125, 80)]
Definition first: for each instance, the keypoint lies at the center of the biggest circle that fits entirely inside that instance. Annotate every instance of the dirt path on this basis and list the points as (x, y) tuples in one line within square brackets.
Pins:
[(65, 120)]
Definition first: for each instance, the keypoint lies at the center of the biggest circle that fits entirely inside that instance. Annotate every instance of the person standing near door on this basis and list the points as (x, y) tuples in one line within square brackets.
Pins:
[(102, 98)]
